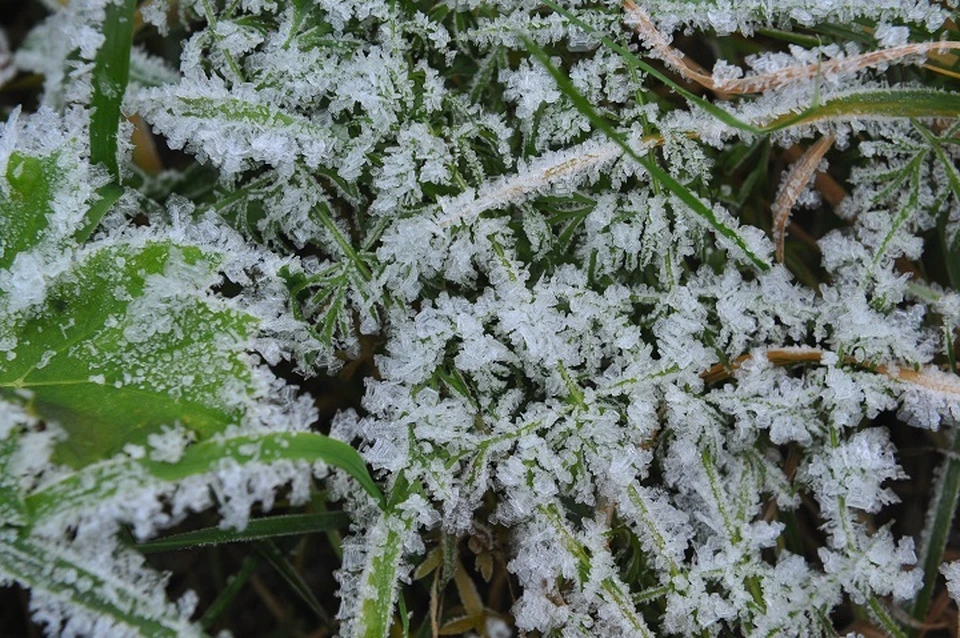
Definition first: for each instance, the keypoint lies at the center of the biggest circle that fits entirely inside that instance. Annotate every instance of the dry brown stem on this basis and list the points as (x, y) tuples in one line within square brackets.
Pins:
[(648, 32), (929, 378), (797, 179)]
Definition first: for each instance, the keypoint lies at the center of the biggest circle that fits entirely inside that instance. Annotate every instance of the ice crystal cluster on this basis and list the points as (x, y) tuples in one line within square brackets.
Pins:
[(522, 211)]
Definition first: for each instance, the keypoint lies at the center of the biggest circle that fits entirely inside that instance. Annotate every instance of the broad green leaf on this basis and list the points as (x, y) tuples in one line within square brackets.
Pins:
[(124, 344), (94, 587), (96, 483), (257, 529), (26, 205)]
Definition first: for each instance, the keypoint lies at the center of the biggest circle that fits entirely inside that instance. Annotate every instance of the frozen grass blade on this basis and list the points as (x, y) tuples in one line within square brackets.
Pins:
[(611, 590), (940, 517), (98, 482), (257, 529), (111, 73), (136, 608), (379, 577), (894, 103)]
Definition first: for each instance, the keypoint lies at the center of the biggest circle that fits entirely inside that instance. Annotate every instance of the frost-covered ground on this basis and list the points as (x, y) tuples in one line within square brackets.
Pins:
[(648, 345)]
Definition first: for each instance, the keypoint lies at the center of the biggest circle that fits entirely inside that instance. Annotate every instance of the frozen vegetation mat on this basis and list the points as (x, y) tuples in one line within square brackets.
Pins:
[(383, 318)]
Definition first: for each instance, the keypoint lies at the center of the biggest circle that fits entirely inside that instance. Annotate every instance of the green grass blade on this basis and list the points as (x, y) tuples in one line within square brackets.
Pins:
[(940, 519), (111, 71), (382, 564), (225, 597), (109, 194), (292, 577), (257, 529), (951, 252), (683, 193), (94, 483), (376, 610), (918, 103)]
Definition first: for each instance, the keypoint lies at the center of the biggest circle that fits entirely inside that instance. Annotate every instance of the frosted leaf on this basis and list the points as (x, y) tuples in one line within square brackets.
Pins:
[(951, 571), (126, 316), (930, 397), (101, 590), (852, 475), (880, 566), (727, 16), (235, 128)]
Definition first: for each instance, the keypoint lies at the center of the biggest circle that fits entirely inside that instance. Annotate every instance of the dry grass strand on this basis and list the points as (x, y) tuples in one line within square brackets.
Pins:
[(653, 38), (797, 179)]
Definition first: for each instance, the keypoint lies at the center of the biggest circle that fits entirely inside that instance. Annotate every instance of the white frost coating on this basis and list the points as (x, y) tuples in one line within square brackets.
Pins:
[(728, 16), (548, 326), (951, 571), (169, 445), (248, 128)]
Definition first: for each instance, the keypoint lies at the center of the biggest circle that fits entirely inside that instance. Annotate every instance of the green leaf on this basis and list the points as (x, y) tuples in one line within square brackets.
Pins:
[(257, 529), (89, 486), (111, 71), (124, 344), (95, 587), (26, 205)]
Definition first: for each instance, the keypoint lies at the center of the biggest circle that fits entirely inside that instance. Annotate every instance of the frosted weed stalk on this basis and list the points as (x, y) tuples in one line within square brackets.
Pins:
[(604, 347)]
